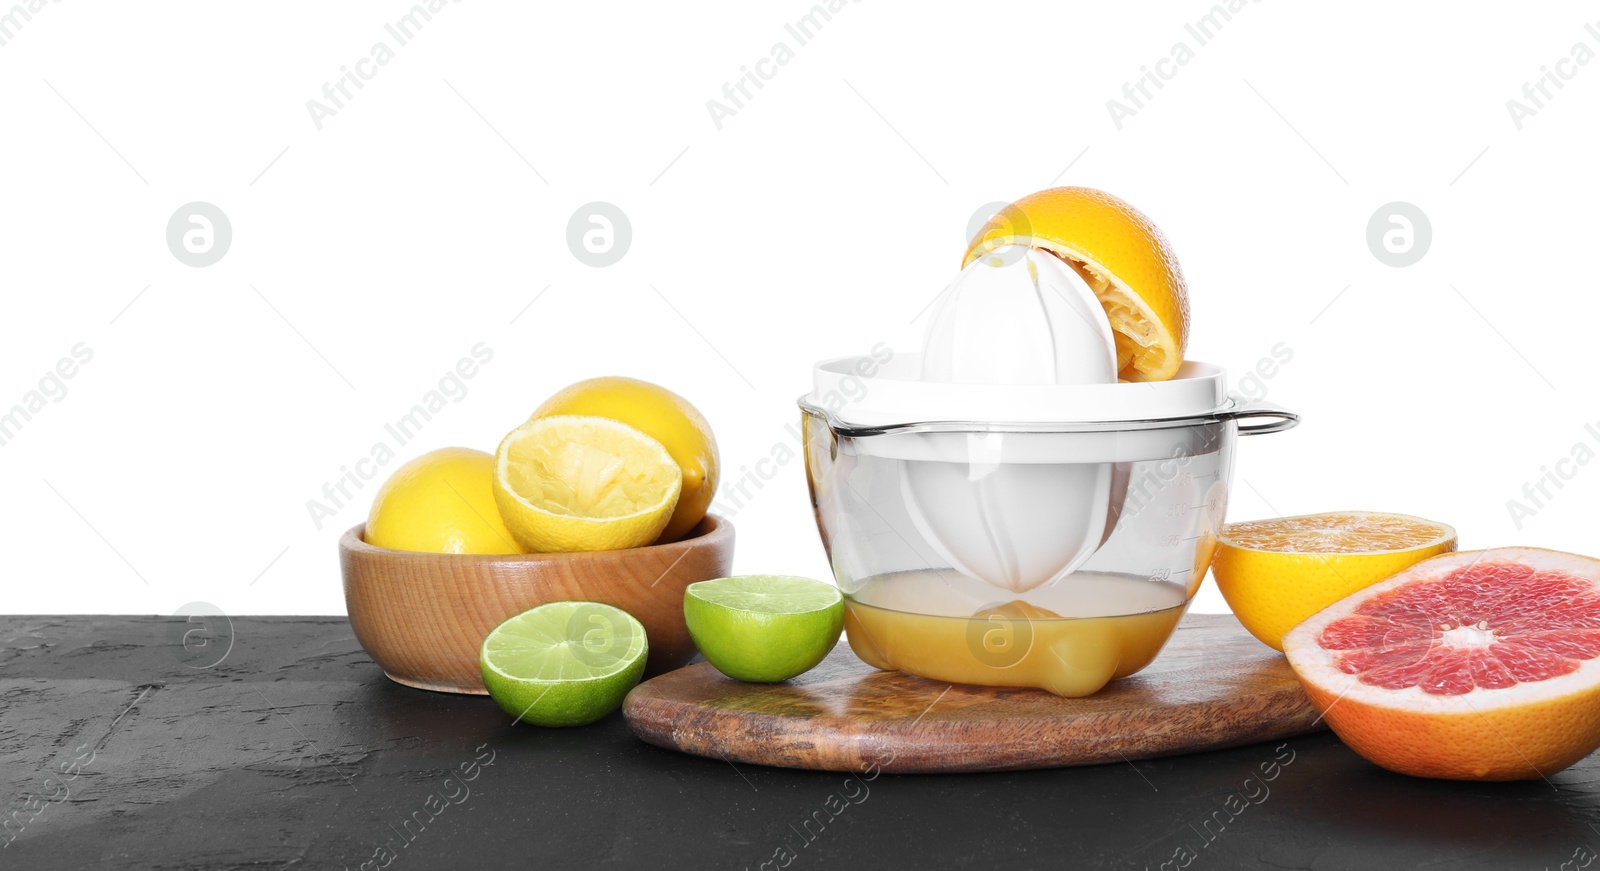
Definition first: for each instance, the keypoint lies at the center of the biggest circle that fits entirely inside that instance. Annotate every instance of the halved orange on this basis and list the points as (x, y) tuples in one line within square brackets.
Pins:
[(1276, 573), (1124, 258)]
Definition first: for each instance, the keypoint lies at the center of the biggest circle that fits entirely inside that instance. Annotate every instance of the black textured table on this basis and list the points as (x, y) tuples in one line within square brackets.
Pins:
[(120, 750)]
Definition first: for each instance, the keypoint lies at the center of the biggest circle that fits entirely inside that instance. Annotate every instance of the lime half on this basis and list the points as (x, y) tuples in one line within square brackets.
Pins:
[(763, 628), (565, 663)]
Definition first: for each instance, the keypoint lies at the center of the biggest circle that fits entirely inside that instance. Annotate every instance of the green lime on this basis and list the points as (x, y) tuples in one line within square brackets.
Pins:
[(763, 628), (565, 663)]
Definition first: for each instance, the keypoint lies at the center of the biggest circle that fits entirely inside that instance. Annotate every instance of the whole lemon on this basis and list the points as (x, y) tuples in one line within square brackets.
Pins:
[(664, 416), (440, 502)]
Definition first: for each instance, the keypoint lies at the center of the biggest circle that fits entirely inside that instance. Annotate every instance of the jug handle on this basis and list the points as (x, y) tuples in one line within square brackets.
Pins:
[(1280, 418)]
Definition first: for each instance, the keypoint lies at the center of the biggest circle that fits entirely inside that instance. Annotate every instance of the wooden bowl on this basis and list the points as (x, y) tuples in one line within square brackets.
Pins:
[(423, 616)]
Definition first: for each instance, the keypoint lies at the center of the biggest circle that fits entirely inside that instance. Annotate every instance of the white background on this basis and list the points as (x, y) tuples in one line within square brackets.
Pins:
[(818, 220)]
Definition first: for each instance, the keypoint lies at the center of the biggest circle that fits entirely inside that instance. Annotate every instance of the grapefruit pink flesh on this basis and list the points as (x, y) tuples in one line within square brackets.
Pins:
[(1489, 625), (1472, 665)]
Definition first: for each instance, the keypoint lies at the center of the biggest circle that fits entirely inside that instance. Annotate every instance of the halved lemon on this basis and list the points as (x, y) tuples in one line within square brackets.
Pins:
[(663, 415), (569, 483), (1276, 573), (1124, 258)]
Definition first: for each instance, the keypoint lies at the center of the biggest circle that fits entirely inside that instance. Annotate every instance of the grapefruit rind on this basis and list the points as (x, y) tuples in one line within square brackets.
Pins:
[(1527, 731)]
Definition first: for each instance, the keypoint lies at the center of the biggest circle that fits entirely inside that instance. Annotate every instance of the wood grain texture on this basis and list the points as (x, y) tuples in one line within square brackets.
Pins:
[(423, 616), (1213, 686)]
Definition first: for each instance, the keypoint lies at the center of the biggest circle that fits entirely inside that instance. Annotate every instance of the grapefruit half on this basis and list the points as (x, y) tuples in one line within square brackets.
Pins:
[(1477, 665)]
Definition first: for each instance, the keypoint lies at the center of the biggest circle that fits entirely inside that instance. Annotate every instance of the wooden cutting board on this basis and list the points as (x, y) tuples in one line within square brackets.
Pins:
[(1213, 686)]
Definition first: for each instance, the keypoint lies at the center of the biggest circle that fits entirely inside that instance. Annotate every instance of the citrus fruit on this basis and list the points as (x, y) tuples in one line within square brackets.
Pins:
[(1275, 573), (1122, 256), (763, 628), (440, 502), (1479, 665), (564, 663), (573, 483), (664, 416)]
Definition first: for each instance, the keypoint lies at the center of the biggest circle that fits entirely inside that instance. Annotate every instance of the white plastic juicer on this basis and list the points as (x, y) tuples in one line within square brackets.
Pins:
[(999, 509)]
